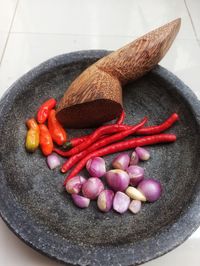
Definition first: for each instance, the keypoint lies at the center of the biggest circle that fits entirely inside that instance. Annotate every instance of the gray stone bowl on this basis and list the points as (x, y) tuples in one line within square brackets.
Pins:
[(37, 209)]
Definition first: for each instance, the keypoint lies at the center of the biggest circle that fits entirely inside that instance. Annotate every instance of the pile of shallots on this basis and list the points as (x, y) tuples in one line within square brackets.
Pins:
[(127, 188)]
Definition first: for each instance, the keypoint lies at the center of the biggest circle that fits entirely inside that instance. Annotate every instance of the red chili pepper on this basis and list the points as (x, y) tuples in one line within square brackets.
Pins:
[(46, 143), (121, 118), (160, 128), (96, 135), (67, 146), (99, 144), (60, 152), (121, 146), (44, 110), (57, 132), (142, 131), (75, 142)]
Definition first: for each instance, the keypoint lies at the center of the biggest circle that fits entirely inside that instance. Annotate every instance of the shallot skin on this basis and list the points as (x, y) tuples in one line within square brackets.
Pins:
[(92, 188), (105, 200), (117, 179), (142, 153), (53, 161), (134, 158), (136, 174), (80, 201), (121, 161), (151, 188), (96, 167), (135, 206), (75, 184), (121, 202)]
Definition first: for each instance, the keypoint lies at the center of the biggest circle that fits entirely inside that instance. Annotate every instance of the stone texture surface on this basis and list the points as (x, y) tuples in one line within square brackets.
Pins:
[(32, 200)]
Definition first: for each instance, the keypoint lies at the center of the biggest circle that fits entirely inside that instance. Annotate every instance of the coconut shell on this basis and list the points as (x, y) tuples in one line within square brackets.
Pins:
[(95, 96)]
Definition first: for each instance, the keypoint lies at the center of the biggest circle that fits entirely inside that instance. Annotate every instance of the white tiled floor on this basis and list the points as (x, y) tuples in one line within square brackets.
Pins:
[(183, 58), (3, 37), (193, 8), (39, 30), (98, 17), (30, 50), (7, 8)]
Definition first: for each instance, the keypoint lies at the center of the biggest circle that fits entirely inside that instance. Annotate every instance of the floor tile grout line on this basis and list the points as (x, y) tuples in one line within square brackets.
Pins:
[(191, 20), (73, 34), (11, 24), (87, 35)]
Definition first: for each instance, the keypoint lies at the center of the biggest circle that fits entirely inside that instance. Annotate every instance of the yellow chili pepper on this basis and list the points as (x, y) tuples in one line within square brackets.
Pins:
[(32, 136)]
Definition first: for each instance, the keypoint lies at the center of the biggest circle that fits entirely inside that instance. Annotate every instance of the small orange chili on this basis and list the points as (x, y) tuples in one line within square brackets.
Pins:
[(45, 108), (32, 136), (57, 132), (46, 143)]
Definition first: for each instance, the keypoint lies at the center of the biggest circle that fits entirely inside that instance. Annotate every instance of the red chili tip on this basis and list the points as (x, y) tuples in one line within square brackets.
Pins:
[(62, 170), (176, 116), (175, 137)]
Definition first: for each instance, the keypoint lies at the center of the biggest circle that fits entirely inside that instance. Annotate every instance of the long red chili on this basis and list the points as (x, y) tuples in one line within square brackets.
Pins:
[(160, 128), (151, 130), (99, 144), (121, 118), (121, 146), (45, 108), (96, 135), (60, 152), (76, 141), (75, 150), (70, 144), (65, 153)]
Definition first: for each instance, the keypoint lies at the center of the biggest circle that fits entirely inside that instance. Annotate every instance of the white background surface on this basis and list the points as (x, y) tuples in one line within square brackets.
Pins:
[(32, 31)]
